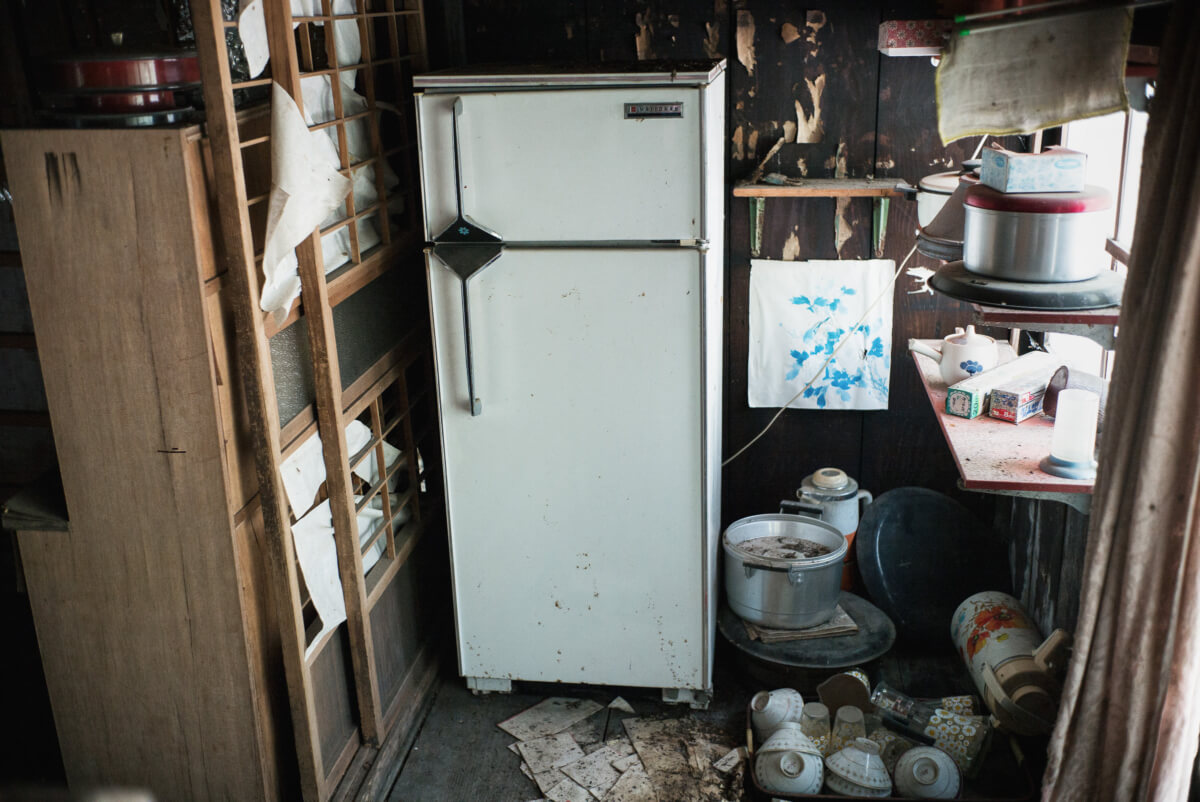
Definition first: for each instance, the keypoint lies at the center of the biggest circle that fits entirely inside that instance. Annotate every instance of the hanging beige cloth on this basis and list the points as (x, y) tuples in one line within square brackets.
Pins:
[(1130, 721)]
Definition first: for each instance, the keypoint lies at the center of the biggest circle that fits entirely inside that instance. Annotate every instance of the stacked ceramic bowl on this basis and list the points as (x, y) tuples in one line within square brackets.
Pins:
[(789, 762), (858, 770), (926, 772)]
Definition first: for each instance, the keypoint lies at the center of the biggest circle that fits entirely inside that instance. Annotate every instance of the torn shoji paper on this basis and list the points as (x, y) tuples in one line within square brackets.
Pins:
[(305, 188), (304, 471)]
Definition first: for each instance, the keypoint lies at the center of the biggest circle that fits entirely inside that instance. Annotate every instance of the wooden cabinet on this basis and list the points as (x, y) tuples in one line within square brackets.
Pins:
[(157, 612)]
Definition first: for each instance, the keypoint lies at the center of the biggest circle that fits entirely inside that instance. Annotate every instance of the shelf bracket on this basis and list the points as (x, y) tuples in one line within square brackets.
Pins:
[(1080, 502)]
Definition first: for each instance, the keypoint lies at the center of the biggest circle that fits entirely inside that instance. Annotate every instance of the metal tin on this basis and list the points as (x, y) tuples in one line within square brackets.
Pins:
[(1034, 237), (777, 592)]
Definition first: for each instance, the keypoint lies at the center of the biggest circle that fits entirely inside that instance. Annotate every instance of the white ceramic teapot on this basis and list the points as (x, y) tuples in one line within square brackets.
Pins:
[(962, 354)]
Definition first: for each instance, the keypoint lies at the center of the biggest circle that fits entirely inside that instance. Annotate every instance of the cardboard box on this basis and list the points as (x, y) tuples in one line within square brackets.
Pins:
[(969, 398), (912, 37), (1055, 169), (1020, 400)]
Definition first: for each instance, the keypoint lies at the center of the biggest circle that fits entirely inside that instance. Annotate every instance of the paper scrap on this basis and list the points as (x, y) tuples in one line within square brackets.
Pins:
[(921, 275), (730, 761), (624, 764), (620, 745), (305, 187), (569, 791), (548, 717), (620, 704), (634, 786), (317, 555), (550, 752), (252, 28), (840, 624), (512, 747), (800, 312), (302, 474), (594, 771)]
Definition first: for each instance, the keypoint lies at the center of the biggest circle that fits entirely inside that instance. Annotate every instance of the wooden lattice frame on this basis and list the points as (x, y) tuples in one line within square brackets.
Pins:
[(292, 59)]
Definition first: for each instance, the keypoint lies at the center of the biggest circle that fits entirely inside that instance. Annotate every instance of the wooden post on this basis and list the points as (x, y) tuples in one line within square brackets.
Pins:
[(258, 382), (318, 314)]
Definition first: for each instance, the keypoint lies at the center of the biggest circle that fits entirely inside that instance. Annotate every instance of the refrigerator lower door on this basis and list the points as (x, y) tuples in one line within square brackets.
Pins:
[(567, 165), (580, 534)]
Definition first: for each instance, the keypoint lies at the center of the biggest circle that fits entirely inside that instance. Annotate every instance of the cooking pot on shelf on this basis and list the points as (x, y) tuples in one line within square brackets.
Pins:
[(777, 591), (1038, 237), (932, 193)]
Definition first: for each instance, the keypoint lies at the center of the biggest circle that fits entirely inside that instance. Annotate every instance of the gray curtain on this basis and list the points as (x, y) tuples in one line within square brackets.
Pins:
[(1130, 720)]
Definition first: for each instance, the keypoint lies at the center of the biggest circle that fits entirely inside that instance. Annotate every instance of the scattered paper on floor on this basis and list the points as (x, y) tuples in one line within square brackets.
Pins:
[(548, 717), (594, 771), (569, 791), (550, 752), (620, 704), (634, 786)]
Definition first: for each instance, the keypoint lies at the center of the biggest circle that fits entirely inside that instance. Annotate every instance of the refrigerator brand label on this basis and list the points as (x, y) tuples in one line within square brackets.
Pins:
[(640, 111)]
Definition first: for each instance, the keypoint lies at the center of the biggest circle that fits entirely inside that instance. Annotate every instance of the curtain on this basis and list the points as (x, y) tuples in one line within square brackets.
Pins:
[(1129, 724)]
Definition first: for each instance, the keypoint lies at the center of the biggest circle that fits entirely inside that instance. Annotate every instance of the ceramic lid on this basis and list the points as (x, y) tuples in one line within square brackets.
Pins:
[(970, 337), (829, 484), (1089, 199)]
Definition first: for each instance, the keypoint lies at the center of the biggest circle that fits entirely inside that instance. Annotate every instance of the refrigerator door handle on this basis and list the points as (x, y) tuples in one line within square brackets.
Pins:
[(463, 228), (466, 261)]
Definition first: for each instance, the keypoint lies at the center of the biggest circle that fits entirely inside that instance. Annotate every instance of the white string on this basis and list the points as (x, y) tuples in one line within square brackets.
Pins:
[(845, 338), (979, 147)]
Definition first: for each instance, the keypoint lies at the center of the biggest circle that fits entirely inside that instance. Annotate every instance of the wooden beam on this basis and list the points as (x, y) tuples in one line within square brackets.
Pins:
[(328, 384), (254, 357)]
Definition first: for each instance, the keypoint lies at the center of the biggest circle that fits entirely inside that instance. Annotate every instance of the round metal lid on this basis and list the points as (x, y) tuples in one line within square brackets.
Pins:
[(1090, 199)]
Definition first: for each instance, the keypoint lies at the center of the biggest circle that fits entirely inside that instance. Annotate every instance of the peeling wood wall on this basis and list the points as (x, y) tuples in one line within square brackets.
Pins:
[(809, 74)]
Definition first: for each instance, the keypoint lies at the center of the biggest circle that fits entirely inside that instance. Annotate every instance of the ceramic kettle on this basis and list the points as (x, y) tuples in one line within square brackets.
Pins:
[(962, 354)]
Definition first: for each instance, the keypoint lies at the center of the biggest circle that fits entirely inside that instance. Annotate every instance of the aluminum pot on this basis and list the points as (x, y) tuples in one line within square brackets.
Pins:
[(1038, 237), (778, 592)]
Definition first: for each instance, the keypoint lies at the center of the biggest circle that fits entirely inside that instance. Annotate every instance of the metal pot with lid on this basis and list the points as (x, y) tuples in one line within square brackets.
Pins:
[(783, 571), (1037, 236)]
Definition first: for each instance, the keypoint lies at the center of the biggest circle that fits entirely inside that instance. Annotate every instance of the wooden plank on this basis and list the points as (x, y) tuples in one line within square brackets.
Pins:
[(819, 188), (993, 454), (254, 358), (328, 384), (1017, 318), (137, 606)]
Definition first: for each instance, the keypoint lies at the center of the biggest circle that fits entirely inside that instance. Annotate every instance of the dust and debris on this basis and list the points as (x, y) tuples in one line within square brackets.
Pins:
[(738, 142), (789, 131), (745, 40), (789, 33), (712, 40), (678, 756), (791, 248), (809, 127), (643, 41)]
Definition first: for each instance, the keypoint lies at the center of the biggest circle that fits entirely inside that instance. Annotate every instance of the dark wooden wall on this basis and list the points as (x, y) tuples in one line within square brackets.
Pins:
[(879, 119)]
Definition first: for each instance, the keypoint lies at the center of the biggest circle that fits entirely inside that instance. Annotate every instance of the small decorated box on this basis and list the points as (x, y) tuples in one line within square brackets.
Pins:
[(1055, 169), (1020, 400), (969, 398), (913, 37)]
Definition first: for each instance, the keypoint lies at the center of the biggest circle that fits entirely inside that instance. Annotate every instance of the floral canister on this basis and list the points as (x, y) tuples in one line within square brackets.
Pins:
[(1013, 668)]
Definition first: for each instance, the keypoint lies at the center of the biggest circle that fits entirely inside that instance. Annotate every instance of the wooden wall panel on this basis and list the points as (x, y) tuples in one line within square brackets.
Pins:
[(137, 606)]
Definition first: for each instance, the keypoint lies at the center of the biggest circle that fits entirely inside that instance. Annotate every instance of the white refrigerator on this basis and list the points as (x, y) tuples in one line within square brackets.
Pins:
[(575, 256)]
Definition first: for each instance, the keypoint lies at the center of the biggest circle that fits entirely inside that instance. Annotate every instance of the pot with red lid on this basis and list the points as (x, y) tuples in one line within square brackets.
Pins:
[(1037, 237)]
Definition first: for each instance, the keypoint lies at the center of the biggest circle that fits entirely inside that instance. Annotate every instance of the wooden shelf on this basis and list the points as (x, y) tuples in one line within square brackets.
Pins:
[(820, 188), (997, 456), (1097, 325)]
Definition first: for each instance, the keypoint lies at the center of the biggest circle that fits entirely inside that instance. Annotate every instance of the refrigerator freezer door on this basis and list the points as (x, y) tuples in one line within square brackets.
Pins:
[(567, 166), (576, 501)]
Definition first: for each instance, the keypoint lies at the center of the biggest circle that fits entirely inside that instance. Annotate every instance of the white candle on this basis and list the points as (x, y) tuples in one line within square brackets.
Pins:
[(1075, 426)]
